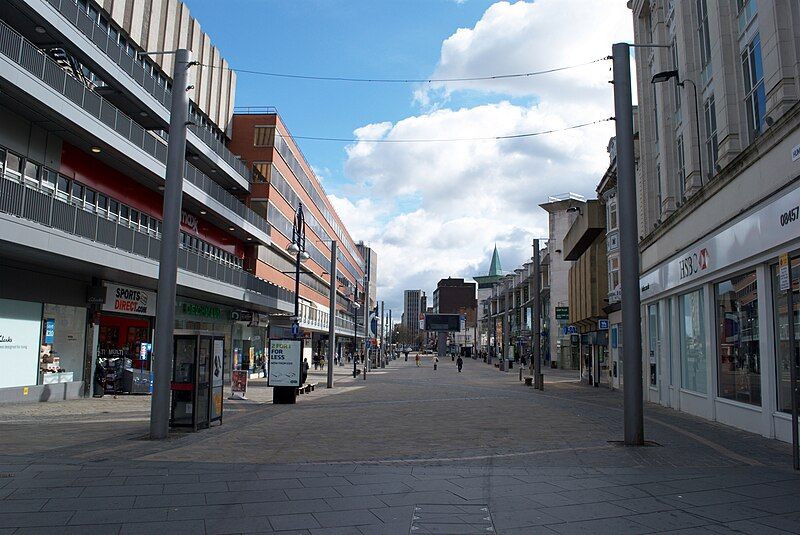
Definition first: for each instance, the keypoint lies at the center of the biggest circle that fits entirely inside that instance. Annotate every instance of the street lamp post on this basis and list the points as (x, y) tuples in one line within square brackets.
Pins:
[(170, 237), (297, 248), (383, 349), (629, 248), (356, 306), (332, 314)]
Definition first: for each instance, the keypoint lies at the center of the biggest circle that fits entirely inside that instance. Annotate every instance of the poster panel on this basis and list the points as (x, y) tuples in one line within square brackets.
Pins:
[(285, 358)]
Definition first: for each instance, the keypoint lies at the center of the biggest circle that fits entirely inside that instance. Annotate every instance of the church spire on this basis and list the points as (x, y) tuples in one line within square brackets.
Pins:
[(495, 269)]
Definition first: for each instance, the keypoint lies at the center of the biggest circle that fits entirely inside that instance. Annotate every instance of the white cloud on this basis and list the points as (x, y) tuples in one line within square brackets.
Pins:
[(433, 210)]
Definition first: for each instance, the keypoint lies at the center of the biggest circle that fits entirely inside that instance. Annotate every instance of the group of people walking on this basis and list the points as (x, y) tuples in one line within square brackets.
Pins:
[(459, 362)]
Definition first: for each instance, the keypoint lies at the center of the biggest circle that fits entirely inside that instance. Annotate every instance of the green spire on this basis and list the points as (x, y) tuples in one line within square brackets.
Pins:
[(495, 269)]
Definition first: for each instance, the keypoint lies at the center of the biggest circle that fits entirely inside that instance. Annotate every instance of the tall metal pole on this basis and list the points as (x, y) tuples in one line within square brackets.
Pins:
[(170, 235), (391, 334), (537, 317), (383, 349), (366, 323), (629, 248), (332, 315)]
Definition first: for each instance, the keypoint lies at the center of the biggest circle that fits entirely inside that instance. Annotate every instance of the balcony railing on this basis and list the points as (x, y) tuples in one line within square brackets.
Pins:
[(32, 59), (43, 208), (110, 47)]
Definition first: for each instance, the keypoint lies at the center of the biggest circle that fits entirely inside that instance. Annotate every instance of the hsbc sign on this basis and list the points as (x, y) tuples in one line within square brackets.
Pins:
[(694, 263), (771, 226)]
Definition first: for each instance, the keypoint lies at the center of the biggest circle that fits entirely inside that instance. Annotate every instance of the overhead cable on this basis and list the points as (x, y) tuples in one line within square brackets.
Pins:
[(440, 140), (401, 80)]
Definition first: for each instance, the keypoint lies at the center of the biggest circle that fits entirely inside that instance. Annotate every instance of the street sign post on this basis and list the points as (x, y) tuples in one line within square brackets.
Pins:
[(562, 313)]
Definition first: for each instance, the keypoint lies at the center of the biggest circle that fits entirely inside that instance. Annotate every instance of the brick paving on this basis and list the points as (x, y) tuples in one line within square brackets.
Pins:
[(407, 448)]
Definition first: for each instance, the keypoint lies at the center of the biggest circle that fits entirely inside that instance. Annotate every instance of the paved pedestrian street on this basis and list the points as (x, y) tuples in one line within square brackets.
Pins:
[(409, 450)]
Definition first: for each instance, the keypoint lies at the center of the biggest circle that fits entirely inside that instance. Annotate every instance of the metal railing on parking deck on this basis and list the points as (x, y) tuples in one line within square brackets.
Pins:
[(99, 36), (43, 208), (32, 59)]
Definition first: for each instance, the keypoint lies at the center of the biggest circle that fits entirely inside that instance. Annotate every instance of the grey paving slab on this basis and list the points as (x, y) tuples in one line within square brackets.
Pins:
[(196, 488), (751, 527), (602, 526), (237, 524), (167, 500), (669, 520), (309, 493), (587, 511), (156, 528), (778, 504), (294, 521), (412, 498), (373, 489), (285, 508), (329, 481), (350, 503), (346, 518), (393, 515), (245, 497), (645, 505), (23, 520), (89, 504), (727, 512), (22, 506), (346, 530), (193, 512), (265, 484), (95, 529), (788, 522), (122, 490), (117, 516), (57, 492), (504, 520)]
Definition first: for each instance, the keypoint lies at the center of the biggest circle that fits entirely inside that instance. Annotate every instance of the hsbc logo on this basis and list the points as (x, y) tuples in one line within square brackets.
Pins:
[(694, 263)]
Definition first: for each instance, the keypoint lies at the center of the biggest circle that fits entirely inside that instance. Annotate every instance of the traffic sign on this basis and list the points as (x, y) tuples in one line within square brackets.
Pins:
[(602, 325), (562, 313)]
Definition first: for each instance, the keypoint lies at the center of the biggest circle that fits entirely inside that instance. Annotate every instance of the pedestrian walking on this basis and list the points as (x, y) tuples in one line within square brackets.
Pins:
[(435, 362), (460, 363), (416, 358)]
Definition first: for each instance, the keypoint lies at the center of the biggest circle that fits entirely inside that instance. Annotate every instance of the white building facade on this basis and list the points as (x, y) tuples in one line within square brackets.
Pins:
[(719, 209)]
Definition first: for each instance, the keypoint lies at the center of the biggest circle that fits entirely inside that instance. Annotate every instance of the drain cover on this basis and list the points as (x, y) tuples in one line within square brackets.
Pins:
[(448, 519)]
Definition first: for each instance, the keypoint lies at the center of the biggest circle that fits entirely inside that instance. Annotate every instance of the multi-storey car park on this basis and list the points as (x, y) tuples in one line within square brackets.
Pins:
[(83, 144)]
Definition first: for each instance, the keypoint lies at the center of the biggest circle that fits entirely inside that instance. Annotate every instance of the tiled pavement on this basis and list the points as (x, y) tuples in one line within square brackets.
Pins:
[(407, 448)]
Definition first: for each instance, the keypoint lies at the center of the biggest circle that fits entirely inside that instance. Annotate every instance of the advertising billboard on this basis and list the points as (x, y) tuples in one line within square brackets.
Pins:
[(442, 322)]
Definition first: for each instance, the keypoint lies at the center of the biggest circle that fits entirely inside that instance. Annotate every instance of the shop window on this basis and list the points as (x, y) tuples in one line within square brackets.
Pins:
[(737, 339), (783, 358), (62, 349), (653, 342), (694, 372)]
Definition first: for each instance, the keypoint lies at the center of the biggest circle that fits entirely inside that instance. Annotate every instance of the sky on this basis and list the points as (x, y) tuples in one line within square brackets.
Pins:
[(433, 210)]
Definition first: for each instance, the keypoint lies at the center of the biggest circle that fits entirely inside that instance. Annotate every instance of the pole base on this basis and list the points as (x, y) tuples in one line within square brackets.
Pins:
[(284, 395)]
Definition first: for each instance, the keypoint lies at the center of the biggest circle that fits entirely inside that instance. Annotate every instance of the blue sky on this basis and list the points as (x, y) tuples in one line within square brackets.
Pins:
[(374, 38), (433, 210)]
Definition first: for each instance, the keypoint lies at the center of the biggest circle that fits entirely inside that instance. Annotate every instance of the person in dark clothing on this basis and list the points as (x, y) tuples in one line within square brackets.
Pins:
[(99, 380), (304, 372), (460, 363)]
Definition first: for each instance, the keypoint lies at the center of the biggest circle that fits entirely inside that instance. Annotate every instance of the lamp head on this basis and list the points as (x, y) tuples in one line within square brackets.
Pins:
[(304, 256), (664, 76), (293, 248)]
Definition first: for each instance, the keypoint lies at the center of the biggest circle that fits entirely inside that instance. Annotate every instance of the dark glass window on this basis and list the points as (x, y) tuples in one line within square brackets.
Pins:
[(738, 354), (49, 178), (102, 201), (63, 184), (113, 207), (90, 196), (77, 191), (31, 171), (123, 211)]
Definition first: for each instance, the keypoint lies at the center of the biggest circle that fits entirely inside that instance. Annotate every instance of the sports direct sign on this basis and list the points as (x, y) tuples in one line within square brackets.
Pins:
[(129, 300)]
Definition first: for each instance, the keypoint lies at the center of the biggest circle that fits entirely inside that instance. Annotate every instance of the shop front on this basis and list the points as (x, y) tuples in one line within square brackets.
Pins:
[(244, 332), (125, 339), (716, 337), (42, 351)]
